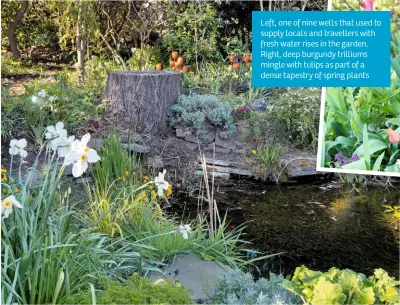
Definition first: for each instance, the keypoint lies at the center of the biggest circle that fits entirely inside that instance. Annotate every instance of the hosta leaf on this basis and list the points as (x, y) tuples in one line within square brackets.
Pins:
[(327, 293), (366, 296)]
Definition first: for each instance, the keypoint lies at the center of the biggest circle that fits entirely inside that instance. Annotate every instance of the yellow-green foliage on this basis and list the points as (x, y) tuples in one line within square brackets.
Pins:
[(343, 287), (135, 290)]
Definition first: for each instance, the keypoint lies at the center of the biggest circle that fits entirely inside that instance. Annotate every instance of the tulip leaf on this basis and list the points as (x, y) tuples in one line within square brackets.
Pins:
[(378, 162), (358, 165), (372, 145), (394, 121)]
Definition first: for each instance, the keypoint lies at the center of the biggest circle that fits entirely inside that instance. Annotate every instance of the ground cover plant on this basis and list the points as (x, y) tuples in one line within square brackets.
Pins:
[(343, 287)]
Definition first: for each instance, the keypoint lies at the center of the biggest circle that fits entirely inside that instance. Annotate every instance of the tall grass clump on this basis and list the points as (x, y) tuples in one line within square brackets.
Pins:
[(45, 257)]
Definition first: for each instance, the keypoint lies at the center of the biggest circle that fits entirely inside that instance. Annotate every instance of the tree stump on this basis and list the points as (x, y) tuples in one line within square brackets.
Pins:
[(140, 99)]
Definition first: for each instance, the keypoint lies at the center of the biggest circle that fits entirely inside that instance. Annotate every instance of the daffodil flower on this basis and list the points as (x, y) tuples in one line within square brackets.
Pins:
[(7, 206), (80, 155), (185, 230), (161, 184), (64, 145), (56, 131), (17, 147)]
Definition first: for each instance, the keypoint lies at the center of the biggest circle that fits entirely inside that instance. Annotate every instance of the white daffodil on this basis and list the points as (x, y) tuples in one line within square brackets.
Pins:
[(56, 134), (80, 155), (36, 100), (17, 147), (7, 205), (42, 93), (161, 184), (185, 230), (52, 98), (64, 145)]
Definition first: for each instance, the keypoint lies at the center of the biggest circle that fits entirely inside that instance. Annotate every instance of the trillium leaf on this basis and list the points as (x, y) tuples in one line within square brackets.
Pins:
[(327, 293)]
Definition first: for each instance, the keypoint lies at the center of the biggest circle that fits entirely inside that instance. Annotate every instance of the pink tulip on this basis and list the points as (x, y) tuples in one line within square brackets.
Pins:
[(368, 5), (394, 137)]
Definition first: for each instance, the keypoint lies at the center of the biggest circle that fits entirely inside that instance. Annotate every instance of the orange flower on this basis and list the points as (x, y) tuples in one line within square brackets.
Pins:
[(185, 69), (245, 59), (159, 67), (172, 64), (177, 70), (394, 137), (248, 64), (251, 59), (180, 61), (236, 66), (174, 55), (231, 58)]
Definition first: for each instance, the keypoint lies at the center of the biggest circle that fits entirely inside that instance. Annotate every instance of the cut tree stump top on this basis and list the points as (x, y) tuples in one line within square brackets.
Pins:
[(150, 72)]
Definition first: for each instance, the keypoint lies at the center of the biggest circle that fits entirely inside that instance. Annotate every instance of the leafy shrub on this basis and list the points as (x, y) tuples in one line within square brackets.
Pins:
[(72, 105), (134, 290), (343, 287), (236, 287), (196, 110), (193, 31), (298, 109)]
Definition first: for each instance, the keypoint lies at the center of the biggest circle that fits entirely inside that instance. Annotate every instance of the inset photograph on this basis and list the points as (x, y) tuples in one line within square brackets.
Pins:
[(360, 127)]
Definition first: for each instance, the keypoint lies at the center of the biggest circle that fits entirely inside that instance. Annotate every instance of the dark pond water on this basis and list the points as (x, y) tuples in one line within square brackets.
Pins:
[(319, 225)]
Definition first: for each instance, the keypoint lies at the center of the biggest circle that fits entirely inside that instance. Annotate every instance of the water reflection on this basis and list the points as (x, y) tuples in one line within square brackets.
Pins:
[(318, 225)]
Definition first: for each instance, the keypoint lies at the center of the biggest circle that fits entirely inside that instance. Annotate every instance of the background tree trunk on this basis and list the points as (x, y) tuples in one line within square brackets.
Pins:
[(12, 37), (140, 100)]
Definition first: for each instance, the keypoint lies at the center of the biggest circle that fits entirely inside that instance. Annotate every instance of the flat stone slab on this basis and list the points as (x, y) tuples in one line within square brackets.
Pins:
[(193, 273)]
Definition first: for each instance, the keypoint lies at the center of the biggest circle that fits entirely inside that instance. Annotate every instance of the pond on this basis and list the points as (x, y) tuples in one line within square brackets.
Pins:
[(319, 224)]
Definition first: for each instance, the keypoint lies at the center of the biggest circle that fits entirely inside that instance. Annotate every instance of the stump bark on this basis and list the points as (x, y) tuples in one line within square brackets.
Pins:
[(140, 100)]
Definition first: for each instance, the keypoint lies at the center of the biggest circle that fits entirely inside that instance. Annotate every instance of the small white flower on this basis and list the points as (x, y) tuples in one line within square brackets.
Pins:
[(52, 98), (80, 155), (42, 93), (161, 184), (17, 147), (36, 99), (398, 163), (185, 230), (7, 206), (54, 133)]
